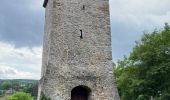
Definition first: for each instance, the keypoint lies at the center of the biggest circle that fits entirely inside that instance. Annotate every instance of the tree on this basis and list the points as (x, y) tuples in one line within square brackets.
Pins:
[(32, 89), (43, 97), (1, 93), (5, 85), (15, 85), (146, 71), (20, 96)]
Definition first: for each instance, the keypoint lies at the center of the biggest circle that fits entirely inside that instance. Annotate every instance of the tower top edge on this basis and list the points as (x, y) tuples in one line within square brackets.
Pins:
[(45, 3)]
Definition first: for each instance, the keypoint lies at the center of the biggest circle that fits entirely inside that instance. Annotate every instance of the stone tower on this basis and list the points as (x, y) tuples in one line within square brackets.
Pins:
[(77, 61)]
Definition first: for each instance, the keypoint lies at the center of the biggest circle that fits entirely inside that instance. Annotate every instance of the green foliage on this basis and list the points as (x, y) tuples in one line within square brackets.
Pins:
[(20, 96), (20, 85), (1, 93), (146, 71), (15, 85), (5, 85), (32, 89), (43, 97)]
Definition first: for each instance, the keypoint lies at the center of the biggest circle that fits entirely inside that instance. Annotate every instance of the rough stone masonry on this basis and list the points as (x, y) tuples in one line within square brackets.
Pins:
[(77, 61)]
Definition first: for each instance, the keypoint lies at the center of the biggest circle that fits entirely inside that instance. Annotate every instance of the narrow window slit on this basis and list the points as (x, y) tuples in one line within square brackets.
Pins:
[(83, 7), (81, 34)]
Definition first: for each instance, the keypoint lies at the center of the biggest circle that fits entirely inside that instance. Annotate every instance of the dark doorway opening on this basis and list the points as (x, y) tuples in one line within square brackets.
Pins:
[(80, 93)]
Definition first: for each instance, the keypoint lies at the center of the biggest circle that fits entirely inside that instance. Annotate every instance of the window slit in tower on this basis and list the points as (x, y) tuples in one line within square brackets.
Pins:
[(83, 7), (81, 34)]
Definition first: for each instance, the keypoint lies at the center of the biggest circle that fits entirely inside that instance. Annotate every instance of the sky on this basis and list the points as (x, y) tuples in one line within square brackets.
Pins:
[(22, 26)]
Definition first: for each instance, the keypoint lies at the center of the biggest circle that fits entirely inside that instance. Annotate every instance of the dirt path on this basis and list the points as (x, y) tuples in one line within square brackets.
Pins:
[(3, 98)]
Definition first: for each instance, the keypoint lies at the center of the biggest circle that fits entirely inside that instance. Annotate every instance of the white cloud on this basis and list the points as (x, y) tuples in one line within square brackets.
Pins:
[(20, 62), (8, 72), (130, 18), (141, 13)]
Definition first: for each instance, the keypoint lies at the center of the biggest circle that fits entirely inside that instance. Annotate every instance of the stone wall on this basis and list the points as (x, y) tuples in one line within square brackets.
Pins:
[(70, 61)]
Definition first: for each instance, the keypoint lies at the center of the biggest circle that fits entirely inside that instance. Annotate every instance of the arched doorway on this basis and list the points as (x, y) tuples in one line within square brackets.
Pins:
[(80, 93)]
